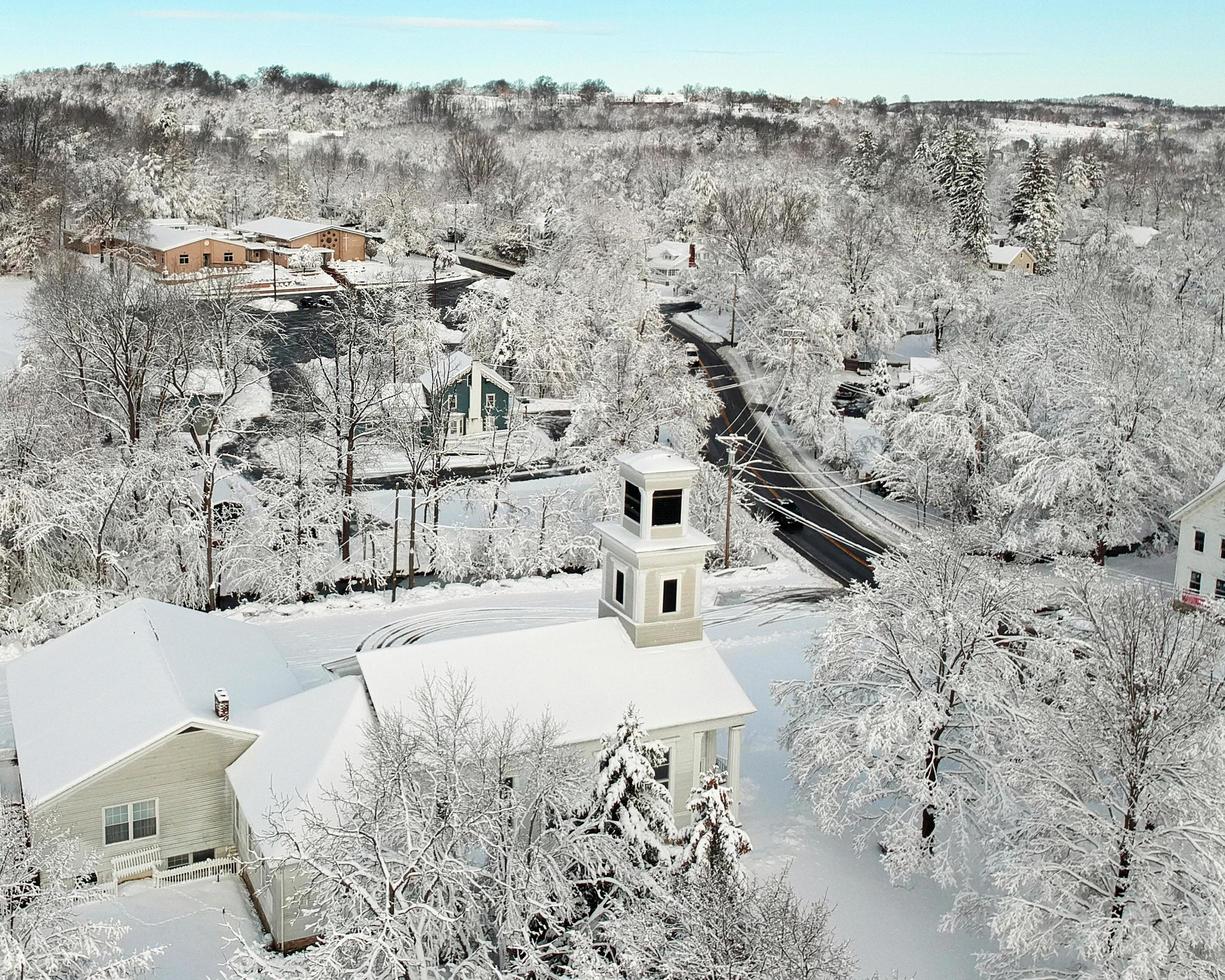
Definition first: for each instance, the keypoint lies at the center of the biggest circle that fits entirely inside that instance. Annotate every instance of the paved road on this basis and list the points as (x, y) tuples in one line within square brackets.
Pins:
[(846, 561)]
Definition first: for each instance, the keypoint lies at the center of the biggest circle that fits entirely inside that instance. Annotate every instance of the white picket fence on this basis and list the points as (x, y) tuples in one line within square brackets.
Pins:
[(135, 864), (212, 868)]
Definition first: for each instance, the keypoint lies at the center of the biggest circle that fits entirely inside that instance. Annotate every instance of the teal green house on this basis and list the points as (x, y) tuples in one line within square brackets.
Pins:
[(477, 398)]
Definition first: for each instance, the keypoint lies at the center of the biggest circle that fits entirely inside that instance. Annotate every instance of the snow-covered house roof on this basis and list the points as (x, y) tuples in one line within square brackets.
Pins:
[(162, 237), (287, 229), (1216, 486), (453, 365), (305, 744), (1140, 235), (581, 675), (92, 697), (1004, 254)]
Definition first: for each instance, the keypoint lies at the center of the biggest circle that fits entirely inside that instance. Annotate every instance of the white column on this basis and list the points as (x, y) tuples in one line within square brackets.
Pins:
[(735, 737), (699, 743), (476, 406)]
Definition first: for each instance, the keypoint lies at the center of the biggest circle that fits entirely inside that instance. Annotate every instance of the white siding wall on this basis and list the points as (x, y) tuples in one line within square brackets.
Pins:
[(1208, 517), (185, 773)]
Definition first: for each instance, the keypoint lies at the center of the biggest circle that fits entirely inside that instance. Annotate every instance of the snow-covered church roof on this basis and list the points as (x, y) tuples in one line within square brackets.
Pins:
[(121, 682), (580, 675)]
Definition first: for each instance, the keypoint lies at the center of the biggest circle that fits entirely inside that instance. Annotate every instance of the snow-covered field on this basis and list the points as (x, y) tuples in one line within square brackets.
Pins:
[(1050, 132), (197, 925), (14, 291)]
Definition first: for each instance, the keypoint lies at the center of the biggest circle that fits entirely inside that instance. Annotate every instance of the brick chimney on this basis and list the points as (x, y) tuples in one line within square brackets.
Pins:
[(693, 255), (221, 704)]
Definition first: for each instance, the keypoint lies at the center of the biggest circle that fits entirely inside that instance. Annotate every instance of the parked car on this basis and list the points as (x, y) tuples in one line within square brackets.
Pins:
[(693, 358), (784, 512)]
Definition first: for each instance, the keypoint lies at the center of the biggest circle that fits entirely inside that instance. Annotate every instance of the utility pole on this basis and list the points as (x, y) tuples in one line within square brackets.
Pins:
[(730, 442), (395, 547), (455, 229), (272, 258), (735, 291), (727, 515)]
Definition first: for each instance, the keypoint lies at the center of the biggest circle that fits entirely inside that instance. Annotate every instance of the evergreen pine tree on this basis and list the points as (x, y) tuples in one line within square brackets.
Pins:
[(864, 166), (1034, 216), (714, 842), (955, 163), (628, 801)]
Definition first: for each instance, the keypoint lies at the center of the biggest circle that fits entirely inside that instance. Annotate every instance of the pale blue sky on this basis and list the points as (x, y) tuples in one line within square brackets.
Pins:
[(935, 49)]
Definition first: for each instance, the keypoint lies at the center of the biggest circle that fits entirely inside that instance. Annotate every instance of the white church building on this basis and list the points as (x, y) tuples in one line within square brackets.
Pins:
[(161, 737)]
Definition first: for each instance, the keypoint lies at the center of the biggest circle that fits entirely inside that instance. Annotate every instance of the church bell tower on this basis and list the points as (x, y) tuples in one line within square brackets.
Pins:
[(652, 559)]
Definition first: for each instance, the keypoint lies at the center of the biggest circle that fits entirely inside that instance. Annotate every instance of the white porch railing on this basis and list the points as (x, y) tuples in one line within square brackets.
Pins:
[(135, 864), (201, 870)]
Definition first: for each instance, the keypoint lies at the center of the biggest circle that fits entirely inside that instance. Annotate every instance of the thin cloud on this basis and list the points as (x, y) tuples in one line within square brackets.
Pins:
[(727, 51), (985, 54), (511, 24)]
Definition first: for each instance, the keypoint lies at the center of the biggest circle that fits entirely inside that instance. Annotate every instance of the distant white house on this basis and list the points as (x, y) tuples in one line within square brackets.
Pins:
[(1010, 258), (165, 738), (667, 259), (1199, 572)]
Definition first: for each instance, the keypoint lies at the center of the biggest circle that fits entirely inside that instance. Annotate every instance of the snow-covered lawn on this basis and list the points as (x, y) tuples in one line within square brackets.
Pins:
[(1052, 132), (405, 269), (198, 925), (531, 445), (14, 291)]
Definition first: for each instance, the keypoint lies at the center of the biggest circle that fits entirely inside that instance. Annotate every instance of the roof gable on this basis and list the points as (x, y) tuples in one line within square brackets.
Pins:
[(92, 697)]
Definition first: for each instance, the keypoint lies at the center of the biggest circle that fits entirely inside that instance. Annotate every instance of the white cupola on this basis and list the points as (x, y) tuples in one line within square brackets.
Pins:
[(652, 559)]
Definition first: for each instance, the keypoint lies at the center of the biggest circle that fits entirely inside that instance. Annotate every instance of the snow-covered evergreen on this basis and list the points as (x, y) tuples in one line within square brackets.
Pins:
[(714, 842), (628, 802), (1034, 213)]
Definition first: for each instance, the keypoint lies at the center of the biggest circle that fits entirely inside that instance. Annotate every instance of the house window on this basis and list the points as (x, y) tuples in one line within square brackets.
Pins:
[(144, 819), (452, 402), (1223, 547), (490, 403), (1199, 541), (1220, 588), (455, 427), (227, 256), (633, 503), (206, 855), (184, 258), (666, 507), (663, 771), (115, 821), (134, 821), (619, 587), (669, 596), (177, 861), (1193, 585)]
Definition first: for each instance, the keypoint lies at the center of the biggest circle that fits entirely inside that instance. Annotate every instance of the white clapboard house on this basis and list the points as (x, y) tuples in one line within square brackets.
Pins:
[(1199, 572), (163, 738)]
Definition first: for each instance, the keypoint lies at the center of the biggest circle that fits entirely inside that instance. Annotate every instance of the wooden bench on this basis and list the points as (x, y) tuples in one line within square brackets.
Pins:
[(135, 864)]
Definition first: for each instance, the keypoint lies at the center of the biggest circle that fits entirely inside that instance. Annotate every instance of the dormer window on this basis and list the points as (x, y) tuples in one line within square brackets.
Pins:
[(633, 503), (666, 507)]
